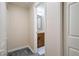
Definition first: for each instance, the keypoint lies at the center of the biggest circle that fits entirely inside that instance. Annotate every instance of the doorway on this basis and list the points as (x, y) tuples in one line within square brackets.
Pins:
[(41, 23), (22, 29)]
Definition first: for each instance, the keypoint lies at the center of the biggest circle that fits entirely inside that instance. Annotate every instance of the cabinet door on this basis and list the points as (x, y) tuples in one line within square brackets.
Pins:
[(3, 34), (40, 40)]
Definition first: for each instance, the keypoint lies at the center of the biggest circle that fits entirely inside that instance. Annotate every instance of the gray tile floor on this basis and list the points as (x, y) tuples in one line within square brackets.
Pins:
[(23, 52)]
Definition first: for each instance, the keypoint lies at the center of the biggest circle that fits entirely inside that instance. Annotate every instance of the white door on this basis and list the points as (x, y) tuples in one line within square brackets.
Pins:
[(72, 29), (3, 35)]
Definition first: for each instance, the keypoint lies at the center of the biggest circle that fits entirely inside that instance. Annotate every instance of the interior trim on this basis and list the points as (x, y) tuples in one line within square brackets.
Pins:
[(11, 50)]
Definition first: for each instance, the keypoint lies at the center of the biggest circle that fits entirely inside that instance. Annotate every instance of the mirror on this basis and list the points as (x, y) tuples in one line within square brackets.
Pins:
[(40, 17), (39, 22)]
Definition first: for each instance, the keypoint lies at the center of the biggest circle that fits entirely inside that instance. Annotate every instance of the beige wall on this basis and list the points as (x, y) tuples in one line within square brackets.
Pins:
[(31, 41), (53, 31), (18, 27)]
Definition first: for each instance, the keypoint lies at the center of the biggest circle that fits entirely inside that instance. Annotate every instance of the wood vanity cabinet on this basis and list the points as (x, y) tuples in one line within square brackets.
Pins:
[(40, 41)]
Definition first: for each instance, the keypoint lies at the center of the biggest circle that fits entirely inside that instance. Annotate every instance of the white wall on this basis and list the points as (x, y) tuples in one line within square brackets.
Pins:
[(53, 31), (18, 27)]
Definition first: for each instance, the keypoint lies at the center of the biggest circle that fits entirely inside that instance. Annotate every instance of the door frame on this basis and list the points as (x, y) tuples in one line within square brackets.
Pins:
[(3, 30), (65, 28), (35, 25)]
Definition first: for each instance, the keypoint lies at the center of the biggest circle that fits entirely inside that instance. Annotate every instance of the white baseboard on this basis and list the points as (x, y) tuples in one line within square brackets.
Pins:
[(31, 49), (21, 48)]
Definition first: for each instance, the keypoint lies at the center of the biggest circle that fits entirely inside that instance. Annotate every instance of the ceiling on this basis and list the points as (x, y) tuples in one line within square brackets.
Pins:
[(22, 4)]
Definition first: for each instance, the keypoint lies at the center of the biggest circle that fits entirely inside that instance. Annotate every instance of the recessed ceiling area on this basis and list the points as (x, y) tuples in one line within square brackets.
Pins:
[(22, 4)]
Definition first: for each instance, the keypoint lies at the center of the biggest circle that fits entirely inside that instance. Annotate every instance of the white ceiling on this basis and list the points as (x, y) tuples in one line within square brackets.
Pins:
[(22, 4)]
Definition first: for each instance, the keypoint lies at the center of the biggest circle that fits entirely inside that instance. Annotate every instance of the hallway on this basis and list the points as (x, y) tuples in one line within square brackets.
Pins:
[(20, 22)]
